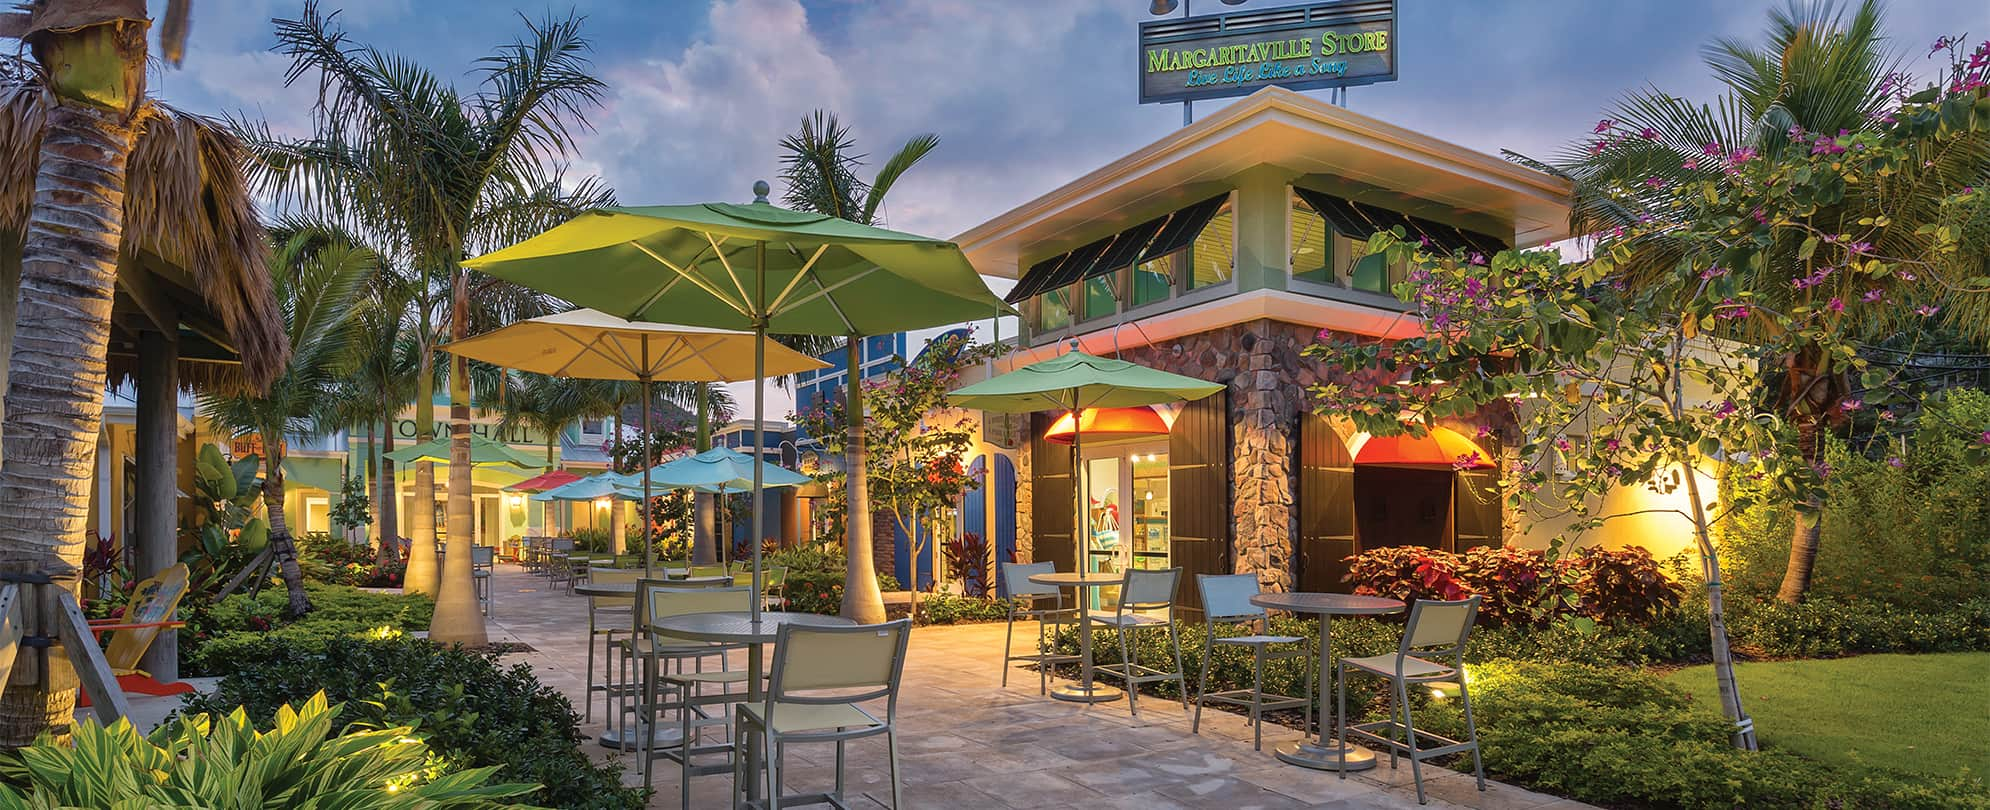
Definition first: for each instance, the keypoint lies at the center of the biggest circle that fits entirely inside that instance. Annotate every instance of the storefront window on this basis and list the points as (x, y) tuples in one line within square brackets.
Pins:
[(1053, 310), (1372, 272), (1152, 279), (1214, 251), (1126, 513), (1311, 259), (1100, 297)]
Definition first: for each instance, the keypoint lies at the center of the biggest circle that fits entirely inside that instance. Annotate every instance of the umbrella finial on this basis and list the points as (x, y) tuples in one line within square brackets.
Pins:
[(1074, 344), (760, 189)]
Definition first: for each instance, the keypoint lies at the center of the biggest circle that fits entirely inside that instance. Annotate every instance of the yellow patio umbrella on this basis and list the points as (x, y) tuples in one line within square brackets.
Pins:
[(591, 345)]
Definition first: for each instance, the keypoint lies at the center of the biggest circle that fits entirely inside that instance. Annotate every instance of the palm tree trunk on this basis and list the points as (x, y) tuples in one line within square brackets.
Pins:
[(280, 543), (861, 599), (54, 398), (705, 513), (420, 576), (389, 498), (1809, 524), (458, 619)]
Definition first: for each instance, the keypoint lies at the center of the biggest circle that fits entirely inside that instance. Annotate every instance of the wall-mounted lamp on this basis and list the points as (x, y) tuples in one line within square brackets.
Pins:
[(601, 503)]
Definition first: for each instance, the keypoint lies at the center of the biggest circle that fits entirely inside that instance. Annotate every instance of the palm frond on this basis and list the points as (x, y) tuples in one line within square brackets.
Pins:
[(894, 167)]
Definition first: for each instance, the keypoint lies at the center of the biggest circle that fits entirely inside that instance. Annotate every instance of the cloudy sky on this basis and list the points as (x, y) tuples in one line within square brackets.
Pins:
[(1023, 94)]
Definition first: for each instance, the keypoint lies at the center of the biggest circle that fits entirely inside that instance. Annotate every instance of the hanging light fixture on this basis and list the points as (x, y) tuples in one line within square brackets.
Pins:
[(1106, 424), (1163, 7)]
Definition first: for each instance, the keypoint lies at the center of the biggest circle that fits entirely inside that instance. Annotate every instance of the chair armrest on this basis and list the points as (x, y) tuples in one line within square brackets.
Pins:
[(100, 629)]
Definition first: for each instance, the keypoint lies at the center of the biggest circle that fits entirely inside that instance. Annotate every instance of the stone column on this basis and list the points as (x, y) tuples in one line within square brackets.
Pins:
[(1263, 411), (155, 505)]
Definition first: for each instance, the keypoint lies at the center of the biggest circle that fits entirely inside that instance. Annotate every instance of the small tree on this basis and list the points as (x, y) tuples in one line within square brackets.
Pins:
[(353, 511), (915, 457), (1615, 383)]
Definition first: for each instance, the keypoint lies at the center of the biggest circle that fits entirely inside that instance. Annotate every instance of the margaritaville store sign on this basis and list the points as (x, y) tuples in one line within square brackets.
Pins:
[(1320, 45)]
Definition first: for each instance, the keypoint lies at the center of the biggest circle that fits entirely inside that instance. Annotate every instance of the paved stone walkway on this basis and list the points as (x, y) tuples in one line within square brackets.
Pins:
[(965, 742)]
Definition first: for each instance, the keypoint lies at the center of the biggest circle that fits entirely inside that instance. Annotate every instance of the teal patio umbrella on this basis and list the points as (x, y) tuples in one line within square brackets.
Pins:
[(721, 470), (483, 453), (757, 267)]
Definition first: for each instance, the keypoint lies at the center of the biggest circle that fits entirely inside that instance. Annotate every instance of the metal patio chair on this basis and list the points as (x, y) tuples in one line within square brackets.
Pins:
[(1226, 599), (1026, 600), (1436, 630), (1143, 594), (819, 676), (691, 701)]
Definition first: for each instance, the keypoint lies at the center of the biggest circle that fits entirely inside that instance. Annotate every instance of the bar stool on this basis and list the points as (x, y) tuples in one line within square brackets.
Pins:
[(482, 560), (1143, 593), (1024, 598), (665, 602), (607, 616), (1226, 599), (819, 677), (1435, 630), (640, 658)]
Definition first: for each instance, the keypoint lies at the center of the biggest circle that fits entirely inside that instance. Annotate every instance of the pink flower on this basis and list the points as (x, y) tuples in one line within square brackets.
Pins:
[(1691, 164), (1837, 304), (1612, 444), (1851, 405), (1985, 437), (1466, 461), (1604, 125), (1712, 273), (1740, 156), (1711, 149), (1895, 462), (1732, 310), (1873, 295), (1926, 310), (1648, 134), (1860, 247), (1653, 182), (1564, 446), (1796, 132), (1728, 409)]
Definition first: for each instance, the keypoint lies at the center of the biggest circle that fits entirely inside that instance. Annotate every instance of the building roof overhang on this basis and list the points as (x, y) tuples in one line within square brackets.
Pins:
[(1301, 134)]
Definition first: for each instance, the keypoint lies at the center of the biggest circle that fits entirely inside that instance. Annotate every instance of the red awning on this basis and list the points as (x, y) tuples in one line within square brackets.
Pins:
[(1105, 424), (1441, 447), (544, 481)]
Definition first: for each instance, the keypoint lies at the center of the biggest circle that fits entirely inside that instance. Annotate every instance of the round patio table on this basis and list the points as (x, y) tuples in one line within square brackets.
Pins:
[(1086, 690), (1326, 755), (629, 588), (740, 628)]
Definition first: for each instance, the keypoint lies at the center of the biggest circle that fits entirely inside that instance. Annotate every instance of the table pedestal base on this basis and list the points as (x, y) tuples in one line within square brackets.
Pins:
[(666, 737), (1079, 693), (1310, 754)]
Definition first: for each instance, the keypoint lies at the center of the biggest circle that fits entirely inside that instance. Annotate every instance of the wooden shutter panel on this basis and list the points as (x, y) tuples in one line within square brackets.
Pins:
[(1478, 508), (1199, 492), (1052, 517), (1325, 505)]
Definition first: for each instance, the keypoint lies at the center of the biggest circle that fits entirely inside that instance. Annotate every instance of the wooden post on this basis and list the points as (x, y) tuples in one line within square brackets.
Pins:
[(155, 505)]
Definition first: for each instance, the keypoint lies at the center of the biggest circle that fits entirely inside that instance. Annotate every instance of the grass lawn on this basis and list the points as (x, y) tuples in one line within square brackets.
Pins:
[(1911, 713)]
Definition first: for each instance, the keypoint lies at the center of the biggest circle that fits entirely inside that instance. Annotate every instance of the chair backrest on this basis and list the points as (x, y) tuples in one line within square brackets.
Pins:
[(154, 600), (1016, 578), (612, 576), (482, 556), (666, 602), (709, 571), (1149, 590), (860, 662), (1439, 627), (1227, 597), (563, 544)]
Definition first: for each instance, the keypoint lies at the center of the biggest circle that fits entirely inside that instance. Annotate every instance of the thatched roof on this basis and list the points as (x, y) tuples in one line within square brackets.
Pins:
[(191, 235)]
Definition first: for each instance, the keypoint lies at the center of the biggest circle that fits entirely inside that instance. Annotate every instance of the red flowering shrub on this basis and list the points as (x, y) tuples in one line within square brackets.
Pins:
[(1406, 573), (1522, 586), (1620, 585), (1517, 585)]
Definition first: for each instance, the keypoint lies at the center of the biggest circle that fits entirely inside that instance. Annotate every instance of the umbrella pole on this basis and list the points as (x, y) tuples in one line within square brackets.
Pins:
[(759, 419), (643, 468), (1082, 527)]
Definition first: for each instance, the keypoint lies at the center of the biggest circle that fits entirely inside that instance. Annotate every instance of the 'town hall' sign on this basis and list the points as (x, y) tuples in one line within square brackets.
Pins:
[(1338, 44)]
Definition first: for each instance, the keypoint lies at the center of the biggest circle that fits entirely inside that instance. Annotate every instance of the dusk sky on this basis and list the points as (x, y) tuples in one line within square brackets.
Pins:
[(1025, 95)]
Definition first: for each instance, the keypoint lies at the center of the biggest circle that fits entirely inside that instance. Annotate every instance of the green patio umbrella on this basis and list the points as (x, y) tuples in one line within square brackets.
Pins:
[(1072, 382), (752, 266), (483, 453)]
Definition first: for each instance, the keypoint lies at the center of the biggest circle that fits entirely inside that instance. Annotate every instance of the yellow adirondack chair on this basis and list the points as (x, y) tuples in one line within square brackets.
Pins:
[(149, 611)]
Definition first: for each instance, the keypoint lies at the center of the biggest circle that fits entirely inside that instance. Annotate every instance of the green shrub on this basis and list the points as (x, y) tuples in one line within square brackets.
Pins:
[(472, 712), (821, 591), (1523, 586), (215, 634), (1825, 627), (224, 761), (1618, 737), (1916, 534), (946, 608), (595, 540)]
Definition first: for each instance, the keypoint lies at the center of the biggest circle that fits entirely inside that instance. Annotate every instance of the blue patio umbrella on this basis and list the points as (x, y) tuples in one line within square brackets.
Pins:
[(721, 470)]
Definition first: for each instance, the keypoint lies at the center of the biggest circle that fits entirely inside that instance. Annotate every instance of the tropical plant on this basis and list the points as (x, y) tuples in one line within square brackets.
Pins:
[(443, 174), (382, 382), (1818, 76), (820, 172), (319, 274), (220, 532), (969, 559), (96, 176), (1620, 372), (208, 761), (352, 510)]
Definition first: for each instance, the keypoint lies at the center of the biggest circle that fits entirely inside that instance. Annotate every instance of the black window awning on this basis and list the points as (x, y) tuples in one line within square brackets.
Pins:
[(1135, 244), (1360, 221)]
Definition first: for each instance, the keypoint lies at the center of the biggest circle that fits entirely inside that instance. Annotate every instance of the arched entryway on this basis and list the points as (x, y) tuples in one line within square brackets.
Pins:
[(1357, 494)]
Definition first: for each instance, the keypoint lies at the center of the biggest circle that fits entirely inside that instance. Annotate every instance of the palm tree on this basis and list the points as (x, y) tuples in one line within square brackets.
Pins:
[(90, 161), (381, 383), (319, 277), (820, 170), (1818, 72), (444, 174)]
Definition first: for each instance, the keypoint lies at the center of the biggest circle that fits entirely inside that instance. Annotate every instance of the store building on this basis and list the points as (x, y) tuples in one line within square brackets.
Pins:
[(1219, 252)]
